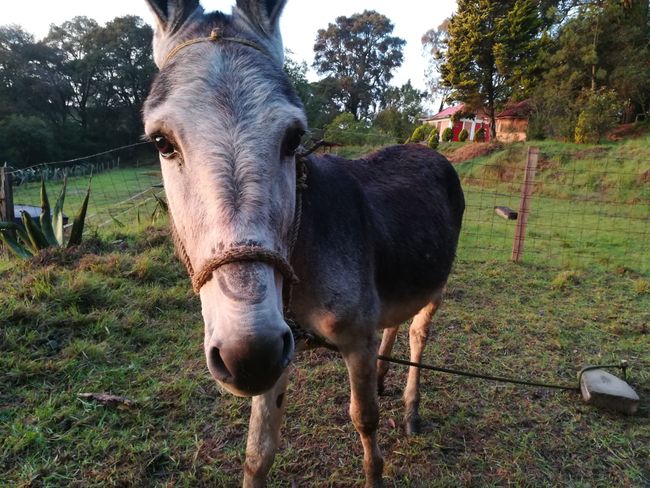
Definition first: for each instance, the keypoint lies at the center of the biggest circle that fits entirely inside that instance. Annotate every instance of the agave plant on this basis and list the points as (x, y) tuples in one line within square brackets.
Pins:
[(27, 240)]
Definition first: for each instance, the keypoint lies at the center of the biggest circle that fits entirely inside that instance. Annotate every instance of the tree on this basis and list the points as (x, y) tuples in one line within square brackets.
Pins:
[(401, 110), (319, 108), (434, 41), (79, 58), (492, 53), (126, 71), (604, 45), (75, 92), (358, 55)]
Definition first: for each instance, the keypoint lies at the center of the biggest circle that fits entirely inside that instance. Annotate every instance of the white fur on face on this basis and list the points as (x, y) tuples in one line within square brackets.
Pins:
[(231, 185)]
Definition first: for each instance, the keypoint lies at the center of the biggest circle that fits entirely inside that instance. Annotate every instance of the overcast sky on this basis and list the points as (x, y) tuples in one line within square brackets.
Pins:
[(300, 22)]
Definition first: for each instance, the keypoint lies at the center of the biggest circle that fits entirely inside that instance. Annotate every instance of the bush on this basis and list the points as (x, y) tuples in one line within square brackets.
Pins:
[(447, 134), (434, 139), (599, 114), (462, 137), (421, 133), (480, 135), (535, 131), (348, 131), (28, 240)]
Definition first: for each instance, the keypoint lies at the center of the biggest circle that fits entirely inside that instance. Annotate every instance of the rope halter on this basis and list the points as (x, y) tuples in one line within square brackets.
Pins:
[(215, 36), (245, 253), (250, 253)]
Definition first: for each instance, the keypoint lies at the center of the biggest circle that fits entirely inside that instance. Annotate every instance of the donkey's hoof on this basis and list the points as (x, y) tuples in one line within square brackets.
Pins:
[(413, 425)]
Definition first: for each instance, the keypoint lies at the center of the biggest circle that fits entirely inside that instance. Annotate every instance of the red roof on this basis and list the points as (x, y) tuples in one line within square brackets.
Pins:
[(520, 110), (448, 112)]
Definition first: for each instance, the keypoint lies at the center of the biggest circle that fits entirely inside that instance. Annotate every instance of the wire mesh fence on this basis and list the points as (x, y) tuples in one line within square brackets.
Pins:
[(589, 211), (123, 183), (592, 212)]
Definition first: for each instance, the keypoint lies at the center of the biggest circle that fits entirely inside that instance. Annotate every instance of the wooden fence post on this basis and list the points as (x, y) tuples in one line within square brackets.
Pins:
[(524, 204), (6, 195)]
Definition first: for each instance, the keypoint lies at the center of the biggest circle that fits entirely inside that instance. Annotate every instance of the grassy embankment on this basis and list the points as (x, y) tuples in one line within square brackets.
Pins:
[(122, 319), (591, 206), (118, 316)]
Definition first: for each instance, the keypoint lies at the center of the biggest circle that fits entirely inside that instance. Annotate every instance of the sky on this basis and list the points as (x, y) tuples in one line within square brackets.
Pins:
[(300, 21)]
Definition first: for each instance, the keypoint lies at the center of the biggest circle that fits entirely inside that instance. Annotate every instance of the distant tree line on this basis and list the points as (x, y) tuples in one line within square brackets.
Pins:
[(354, 101), (582, 64), (77, 91)]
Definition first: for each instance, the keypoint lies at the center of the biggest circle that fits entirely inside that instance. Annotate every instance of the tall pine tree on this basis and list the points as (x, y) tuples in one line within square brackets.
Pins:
[(493, 53)]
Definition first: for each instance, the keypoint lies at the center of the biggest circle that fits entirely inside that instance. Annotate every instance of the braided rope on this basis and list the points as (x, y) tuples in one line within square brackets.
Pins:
[(239, 254), (250, 253), (215, 36)]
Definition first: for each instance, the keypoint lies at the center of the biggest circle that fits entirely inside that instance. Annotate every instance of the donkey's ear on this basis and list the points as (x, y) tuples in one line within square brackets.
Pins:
[(172, 14), (264, 15)]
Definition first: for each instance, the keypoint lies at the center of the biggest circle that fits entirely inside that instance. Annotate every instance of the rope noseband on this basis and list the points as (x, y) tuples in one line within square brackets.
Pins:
[(245, 253), (250, 253)]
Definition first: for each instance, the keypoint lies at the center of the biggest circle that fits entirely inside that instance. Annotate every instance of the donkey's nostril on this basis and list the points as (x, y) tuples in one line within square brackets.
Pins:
[(217, 367), (287, 348)]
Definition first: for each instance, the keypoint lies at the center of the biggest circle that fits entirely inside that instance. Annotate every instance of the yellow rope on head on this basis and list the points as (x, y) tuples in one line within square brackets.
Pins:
[(215, 36)]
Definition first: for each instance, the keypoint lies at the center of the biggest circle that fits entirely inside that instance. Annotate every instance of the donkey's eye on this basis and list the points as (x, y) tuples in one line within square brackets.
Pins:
[(164, 146), (291, 141)]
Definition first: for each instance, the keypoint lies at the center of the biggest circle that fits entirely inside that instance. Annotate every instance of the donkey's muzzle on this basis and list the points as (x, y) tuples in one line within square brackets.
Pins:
[(251, 366)]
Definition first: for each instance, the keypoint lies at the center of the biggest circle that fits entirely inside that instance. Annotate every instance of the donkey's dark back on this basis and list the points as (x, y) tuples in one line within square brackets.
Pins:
[(412, 206)]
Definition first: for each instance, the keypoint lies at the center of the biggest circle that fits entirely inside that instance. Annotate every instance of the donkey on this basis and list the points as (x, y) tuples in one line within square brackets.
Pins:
[(372, 241)]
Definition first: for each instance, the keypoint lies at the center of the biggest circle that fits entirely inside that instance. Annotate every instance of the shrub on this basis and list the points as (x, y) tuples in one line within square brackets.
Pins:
[(348, 131), (28, 241), (434, 139), (536, 130), (447, 134), (480, 135), (599, 114), (421, 133), (462, 137)]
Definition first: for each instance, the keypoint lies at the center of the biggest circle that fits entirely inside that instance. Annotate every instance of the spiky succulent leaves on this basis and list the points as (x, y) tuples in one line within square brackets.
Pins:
[(161, 203), (57, 215), (79, 221), (46, 216), (34, 233), (117, 221), (8, 228), (18, 249)]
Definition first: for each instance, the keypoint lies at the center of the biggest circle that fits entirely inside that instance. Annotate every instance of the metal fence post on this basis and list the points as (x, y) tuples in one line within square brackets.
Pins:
[(524, 204), (6, 195)]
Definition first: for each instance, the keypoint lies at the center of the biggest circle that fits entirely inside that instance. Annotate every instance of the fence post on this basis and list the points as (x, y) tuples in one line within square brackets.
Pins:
[(524, 204), (6, 195)]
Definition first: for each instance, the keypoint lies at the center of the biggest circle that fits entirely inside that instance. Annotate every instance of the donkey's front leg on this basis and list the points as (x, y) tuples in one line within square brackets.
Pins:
[(264, 433), (364, 411)]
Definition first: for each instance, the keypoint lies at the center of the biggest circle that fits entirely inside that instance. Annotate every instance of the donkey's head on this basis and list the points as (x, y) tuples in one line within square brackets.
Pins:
[(227, 123)]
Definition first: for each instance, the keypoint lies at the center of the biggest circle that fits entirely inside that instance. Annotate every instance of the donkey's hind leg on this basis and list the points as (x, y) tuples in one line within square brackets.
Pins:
[(418, 333), (387, 341)]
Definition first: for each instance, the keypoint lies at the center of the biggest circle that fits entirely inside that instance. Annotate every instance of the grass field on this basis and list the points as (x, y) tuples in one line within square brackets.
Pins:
[(116, 194), (590, 209), (120, 317)]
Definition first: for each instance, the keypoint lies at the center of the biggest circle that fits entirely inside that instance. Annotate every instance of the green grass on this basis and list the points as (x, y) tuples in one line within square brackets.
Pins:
[(118, 316), (590, 208), (117, 194), (559, 232)]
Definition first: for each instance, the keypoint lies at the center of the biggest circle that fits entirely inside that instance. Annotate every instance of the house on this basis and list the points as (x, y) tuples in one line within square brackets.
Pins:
[(512, 123), (446, 118)]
